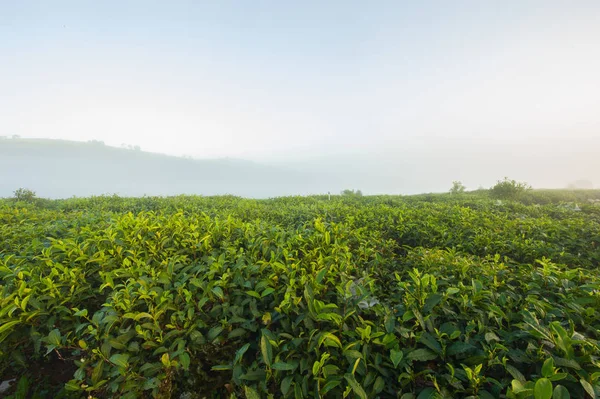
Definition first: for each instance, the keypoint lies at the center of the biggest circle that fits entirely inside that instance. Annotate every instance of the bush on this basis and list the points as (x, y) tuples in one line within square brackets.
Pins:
[(352, 193), (457, 188), (221, 297), (25, 195), (509, 189)]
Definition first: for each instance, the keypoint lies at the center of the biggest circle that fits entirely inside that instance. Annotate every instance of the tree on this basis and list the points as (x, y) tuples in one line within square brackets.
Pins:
[(509, 189), (457, 188), (352, 193), (25, 195)]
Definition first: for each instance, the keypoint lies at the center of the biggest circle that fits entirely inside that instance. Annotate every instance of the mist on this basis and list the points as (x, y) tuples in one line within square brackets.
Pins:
[(275, 99)]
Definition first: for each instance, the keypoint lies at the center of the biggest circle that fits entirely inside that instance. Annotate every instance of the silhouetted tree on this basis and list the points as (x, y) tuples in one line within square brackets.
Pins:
[(25, 195), (351, 193), (509, 189), (457, 188)]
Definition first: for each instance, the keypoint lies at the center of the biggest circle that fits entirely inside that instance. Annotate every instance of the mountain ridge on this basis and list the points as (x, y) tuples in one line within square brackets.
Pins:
[(63, 168)]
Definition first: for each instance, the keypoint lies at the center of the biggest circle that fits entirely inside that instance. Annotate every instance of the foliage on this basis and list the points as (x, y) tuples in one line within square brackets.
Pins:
[(408, 297), (509, 189), (352, 193), (25, 195), (457, 188)]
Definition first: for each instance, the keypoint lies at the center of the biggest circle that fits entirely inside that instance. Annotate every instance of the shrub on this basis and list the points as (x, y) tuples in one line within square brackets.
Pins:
[(379, 296), (457, 188), (509, 189), (25, 195), (352, 193)]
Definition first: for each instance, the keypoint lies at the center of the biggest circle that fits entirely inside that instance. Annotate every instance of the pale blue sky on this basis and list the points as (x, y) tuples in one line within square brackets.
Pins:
[(272, 79)]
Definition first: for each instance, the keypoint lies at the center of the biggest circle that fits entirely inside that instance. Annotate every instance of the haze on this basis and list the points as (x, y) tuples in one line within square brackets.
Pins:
[(387, 97)]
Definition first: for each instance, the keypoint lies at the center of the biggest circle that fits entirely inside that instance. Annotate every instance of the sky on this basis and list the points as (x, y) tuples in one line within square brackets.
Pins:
[(276, 80)]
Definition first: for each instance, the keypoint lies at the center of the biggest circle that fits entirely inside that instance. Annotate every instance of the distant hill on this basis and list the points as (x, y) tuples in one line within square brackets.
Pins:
[(58, 169)]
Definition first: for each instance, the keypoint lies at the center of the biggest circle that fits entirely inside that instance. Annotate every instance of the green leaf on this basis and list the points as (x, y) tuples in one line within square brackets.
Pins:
[(236, 332), (266, 350), (214, 332), (116, 344), (286, 384), (330, 340), (267, 291), (558, 376), (390, 323), (4, 327), (588, 388), (329, 386), (253, 294), (120, 360), (184, 358), (298, 391), (459, 348), (570, 363), (516, 374), (321, 275), (356, 363), (427, 393), (254, 375), (316, 368), (430, 341), (421, 355), (222, 367), (143, 315), (22, 388), (542, 389), (353, 354), (519, 387), (548, 367), (218, 291), (431, 302), (485, 395), (165, 359), (97, 372), (379, 385), (356, 387), (330, 369), (562, 339), (151, 383), (561, 392), (240, 353), (250, 393), (54, 337), (396, 357), (490, 336), (283, 366), (83, 312)]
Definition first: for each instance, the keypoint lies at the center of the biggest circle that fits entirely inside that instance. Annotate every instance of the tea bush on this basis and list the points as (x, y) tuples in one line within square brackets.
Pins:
[(509, 189), (300, 297)]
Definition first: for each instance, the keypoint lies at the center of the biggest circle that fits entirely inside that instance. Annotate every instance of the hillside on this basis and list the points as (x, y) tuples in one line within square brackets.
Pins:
[(58, 169)]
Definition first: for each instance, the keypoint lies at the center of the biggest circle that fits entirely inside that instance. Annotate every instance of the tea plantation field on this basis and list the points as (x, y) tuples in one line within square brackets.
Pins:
[(433, 296)]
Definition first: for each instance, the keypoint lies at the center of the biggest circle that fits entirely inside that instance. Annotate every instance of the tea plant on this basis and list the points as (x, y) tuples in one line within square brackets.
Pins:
[(409, 297), (509, 189)]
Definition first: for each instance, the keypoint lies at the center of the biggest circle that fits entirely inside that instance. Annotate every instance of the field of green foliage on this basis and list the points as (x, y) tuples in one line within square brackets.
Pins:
[(431, 296)]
